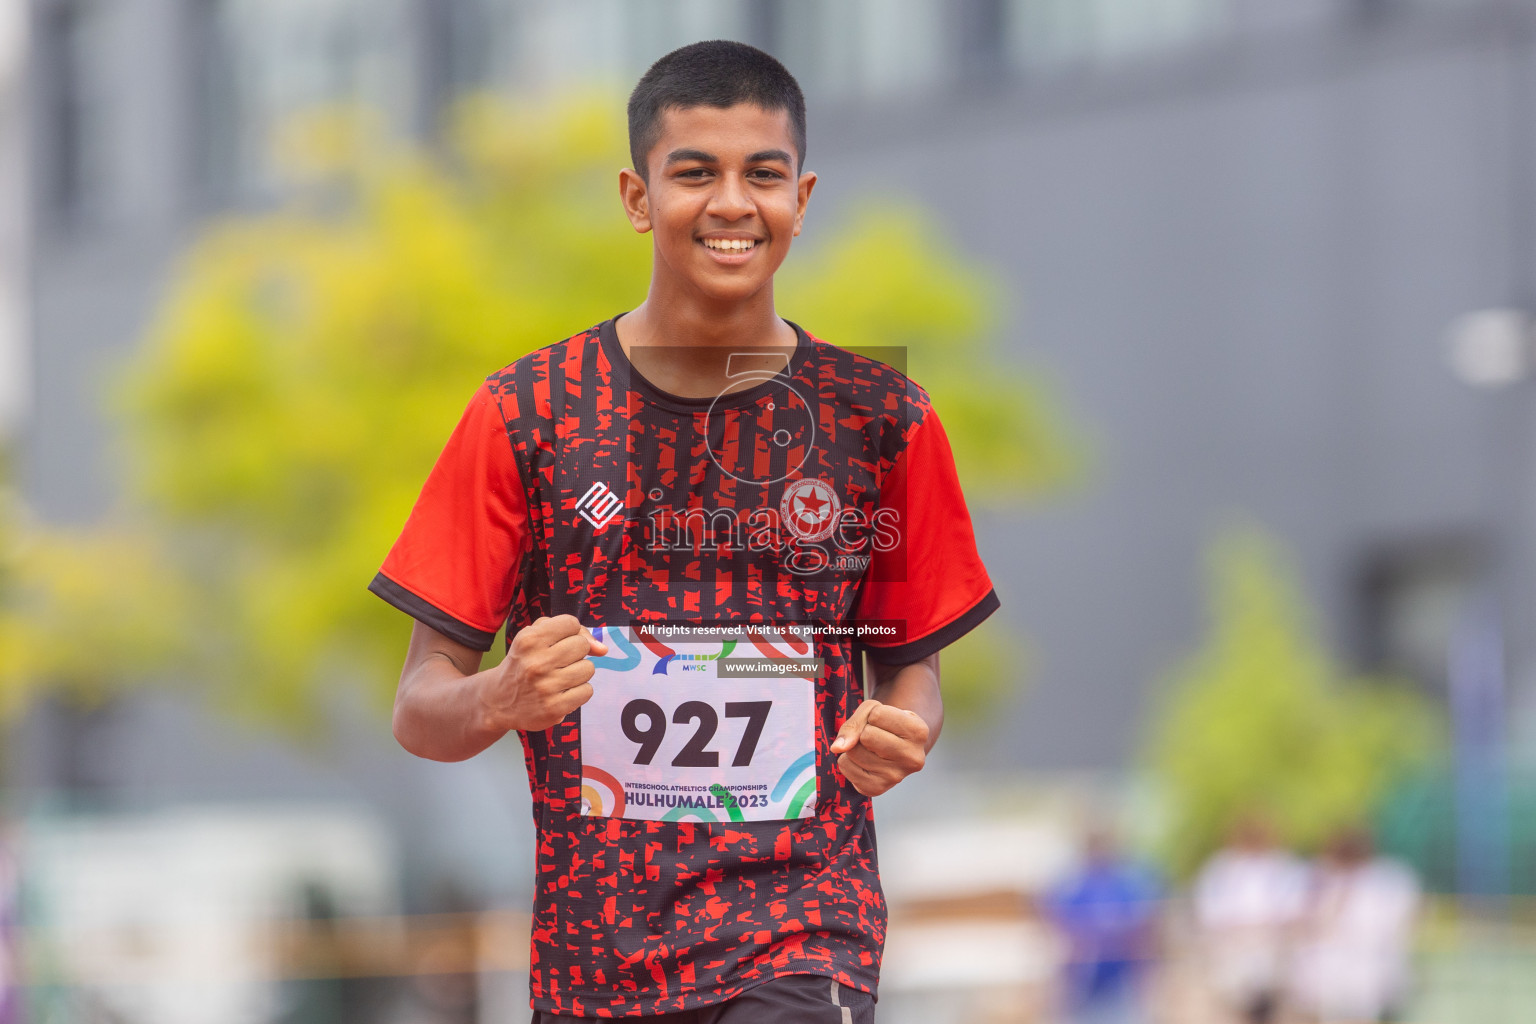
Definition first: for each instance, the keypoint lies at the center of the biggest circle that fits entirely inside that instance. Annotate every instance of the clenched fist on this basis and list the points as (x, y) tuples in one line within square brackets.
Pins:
[(880, 745), (544, 677)]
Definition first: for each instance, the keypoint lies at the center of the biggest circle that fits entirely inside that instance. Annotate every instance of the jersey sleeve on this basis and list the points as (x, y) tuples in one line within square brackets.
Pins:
[(455, 564), (931, 580)]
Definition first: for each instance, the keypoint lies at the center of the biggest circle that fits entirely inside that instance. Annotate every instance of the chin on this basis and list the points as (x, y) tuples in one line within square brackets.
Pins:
[(730, 290)]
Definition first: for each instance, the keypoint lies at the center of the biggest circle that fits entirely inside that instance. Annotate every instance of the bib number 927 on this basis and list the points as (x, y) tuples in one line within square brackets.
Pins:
[(645, 723), (664, 738)]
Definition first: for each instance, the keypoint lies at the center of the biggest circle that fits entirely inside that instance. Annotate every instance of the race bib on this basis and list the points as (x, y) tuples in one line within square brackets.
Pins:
[(723, 730)]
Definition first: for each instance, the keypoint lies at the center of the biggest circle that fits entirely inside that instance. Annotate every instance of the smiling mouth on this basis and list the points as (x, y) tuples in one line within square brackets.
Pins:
[(730, 245)]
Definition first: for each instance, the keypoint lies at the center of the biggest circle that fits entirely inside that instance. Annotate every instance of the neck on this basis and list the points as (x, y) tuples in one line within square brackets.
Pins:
[(683, 318), (684, 343)]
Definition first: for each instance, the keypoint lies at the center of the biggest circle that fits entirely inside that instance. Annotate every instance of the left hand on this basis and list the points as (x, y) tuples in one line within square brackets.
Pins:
[(880, 745)]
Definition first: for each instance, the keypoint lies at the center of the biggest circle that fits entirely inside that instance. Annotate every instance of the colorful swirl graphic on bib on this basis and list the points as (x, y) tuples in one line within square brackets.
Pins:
[(693, 662), (804, 768), (602, 795), (628, 656)]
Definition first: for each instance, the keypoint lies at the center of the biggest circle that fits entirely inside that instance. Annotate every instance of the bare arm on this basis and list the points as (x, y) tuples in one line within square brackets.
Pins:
[(888, 737), (914, 688), (447, 708)]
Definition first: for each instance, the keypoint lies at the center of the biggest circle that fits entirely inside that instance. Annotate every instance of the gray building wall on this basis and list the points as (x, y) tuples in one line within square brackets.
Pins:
[(1239, 269)]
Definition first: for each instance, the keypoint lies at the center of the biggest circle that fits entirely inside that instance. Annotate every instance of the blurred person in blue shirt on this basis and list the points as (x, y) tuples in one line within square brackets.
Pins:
[(1108, 912)]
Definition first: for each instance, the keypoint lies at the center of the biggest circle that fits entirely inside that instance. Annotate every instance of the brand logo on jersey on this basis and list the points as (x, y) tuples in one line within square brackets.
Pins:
[(809, 509), (599, 505)]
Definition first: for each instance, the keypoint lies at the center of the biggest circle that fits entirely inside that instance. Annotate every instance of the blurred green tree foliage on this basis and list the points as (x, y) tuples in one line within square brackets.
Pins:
[(309, 362), (64, 627), (1261, 720)]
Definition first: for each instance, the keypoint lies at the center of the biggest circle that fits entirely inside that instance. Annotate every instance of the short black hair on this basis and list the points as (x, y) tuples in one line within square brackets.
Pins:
[(716, 73)]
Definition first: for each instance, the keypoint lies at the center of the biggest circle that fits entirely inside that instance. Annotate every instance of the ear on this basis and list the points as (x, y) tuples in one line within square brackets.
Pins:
[(803, 197), (636, 200)]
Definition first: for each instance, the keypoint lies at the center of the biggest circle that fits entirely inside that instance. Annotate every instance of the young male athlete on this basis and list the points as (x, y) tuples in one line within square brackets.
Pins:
[(702, 796)]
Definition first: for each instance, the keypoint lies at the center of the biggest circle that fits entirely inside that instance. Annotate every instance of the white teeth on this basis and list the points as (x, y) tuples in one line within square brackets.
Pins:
[(730, 244)]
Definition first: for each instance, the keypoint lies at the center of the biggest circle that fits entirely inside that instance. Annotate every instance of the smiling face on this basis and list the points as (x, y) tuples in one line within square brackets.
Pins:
[(722, 198)]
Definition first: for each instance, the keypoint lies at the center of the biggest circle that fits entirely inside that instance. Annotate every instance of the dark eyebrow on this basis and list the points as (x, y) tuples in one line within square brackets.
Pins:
[(767, 155), (678, 156)]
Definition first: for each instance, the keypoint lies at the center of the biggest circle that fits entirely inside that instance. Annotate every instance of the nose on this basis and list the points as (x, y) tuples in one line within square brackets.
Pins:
[(730, 200)]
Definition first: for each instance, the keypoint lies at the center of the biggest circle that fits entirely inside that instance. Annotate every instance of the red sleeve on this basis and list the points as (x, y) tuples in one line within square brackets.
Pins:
[(931, 579), (456, 561)]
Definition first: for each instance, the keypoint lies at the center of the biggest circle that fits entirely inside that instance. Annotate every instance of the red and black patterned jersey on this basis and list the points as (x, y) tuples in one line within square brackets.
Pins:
[(820, 492)]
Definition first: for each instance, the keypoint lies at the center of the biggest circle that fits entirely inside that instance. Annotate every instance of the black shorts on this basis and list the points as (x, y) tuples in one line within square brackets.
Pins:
[(792, 999)]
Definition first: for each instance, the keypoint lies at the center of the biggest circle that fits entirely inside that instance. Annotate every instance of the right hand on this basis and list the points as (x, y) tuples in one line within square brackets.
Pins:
[(544, 677)]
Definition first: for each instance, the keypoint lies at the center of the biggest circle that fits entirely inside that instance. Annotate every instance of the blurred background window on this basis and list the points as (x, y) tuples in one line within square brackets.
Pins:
[(913, 46), (74, 43), (261, 61), (1412, 598), (1045, 33), (467, 47), (14, 372)]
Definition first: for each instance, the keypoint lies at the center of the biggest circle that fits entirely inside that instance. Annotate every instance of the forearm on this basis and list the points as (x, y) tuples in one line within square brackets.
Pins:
[(447, 709), (438, 713), (914, 688)]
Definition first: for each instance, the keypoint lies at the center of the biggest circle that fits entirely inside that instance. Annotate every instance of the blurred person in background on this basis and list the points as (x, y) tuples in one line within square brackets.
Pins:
[(328, 986), (1107, 912), (1352, 958), (443, 986), (1248, 899)]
